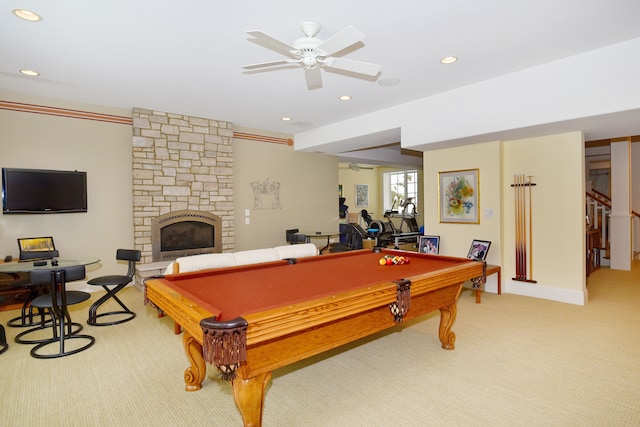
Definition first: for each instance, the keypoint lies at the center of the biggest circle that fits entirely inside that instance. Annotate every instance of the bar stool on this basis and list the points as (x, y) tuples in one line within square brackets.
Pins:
[(3, 336), (3, 340), (114, 284), (58, 300), (27, 317)]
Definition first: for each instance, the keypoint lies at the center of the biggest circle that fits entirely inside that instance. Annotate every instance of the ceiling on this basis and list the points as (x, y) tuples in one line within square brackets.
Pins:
[(186, 57)]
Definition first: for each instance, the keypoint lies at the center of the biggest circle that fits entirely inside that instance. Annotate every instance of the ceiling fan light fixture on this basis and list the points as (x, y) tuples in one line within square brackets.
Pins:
[(448, 59), (27, 15), (309, 61)]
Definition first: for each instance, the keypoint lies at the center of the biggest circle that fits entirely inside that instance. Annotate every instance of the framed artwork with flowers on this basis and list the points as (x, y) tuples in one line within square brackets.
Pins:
[(459, 197)]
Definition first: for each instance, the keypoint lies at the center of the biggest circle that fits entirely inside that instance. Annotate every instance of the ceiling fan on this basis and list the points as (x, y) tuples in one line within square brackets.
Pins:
[(356, 167), (312, 53)]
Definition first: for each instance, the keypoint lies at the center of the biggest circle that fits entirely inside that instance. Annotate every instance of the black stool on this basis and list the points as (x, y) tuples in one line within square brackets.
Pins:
[(118, 282), (28, 313), (3, 340), (57, 301), (3, 337)]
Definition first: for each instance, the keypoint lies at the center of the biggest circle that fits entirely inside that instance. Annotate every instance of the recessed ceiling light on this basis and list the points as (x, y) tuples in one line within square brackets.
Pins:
[(27, 15), (286, 119), (30, 73), (448, 59), (389, 82), (344, 98)]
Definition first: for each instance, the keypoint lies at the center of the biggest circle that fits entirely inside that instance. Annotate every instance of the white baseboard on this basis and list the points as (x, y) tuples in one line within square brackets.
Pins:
[(538, 290)]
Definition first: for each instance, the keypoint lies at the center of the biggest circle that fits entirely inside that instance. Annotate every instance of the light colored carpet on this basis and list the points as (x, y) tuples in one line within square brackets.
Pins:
[(518, 361)]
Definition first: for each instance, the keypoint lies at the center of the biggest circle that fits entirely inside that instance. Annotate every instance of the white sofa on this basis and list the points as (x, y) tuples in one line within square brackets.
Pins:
[(230, 259)]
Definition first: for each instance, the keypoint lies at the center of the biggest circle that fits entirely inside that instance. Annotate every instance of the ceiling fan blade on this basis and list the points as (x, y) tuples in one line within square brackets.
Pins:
[(353, 66), (341, 40), (314, 79), (266, 64), (270, 42)]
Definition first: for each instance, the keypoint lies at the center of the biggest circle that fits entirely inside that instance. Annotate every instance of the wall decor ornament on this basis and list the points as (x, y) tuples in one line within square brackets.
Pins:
[(266, 194), (362, 195), (459, 196)]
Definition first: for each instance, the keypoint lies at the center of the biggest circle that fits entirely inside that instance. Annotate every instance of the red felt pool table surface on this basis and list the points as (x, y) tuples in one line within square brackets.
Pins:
[(291, 311), (231, 292)]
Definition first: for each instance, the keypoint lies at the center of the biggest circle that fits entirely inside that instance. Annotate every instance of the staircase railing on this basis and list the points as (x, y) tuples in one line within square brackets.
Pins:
[(598, 214), (598, 211)]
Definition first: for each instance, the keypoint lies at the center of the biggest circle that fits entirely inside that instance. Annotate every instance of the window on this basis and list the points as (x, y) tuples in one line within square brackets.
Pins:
[(398, 187)]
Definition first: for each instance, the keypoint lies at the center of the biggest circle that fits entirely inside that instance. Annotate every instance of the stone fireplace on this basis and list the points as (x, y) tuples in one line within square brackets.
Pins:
[(181, 163), (185, 233)]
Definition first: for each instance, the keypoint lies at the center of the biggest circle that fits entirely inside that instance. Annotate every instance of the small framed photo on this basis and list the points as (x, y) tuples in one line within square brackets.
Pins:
[(429, 245), (479, 250), (458, 196)]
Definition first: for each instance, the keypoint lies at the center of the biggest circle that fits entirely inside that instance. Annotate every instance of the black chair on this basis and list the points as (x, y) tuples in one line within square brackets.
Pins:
[(293, 236), (3, 336), (28, 313), (57, 300), (290, 235), (114, 284), (3, 340)]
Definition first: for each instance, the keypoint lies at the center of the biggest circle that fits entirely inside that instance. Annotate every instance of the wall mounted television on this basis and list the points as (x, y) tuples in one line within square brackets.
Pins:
[(34, 191)]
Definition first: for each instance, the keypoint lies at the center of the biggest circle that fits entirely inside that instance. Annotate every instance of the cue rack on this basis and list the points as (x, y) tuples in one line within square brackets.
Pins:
[(522, 186)]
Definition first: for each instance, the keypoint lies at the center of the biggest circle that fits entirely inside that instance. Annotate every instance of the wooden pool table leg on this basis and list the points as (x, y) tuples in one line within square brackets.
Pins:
[(193, 375), (249, 397), (447, 317)]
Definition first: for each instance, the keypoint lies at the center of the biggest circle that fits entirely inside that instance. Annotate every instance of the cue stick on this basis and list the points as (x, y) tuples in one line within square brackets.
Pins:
[(515, 208), (518, 228), (519, 189), (523, 227), (530, 231)]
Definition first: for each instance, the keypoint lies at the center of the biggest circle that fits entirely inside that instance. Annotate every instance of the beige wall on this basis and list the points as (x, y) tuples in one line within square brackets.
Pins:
[(308, 197), (348, 178), (455, 239), (558, 213), (101, 149), (558, 210)]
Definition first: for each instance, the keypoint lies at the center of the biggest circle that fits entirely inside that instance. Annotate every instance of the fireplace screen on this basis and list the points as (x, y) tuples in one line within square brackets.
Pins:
[(186, 235)]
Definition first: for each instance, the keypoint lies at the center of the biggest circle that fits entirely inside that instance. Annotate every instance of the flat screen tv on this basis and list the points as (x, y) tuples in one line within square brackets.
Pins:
[(26, 191)]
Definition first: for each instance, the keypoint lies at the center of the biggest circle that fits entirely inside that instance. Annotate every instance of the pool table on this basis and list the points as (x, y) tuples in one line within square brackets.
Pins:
[(250, 320)]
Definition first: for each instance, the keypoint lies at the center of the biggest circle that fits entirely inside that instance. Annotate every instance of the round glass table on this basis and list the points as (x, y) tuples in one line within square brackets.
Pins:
[(45, 264)]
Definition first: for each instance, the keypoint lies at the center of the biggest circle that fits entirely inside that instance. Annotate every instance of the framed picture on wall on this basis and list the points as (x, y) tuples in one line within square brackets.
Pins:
[(459, 196), (429, 245), (362, 195)]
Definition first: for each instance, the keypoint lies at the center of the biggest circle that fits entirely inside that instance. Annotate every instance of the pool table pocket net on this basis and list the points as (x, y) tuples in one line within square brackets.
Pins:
[(225, 344)]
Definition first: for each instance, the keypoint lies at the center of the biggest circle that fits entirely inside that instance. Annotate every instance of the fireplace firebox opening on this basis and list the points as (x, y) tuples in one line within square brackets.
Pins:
[(184, 233)]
